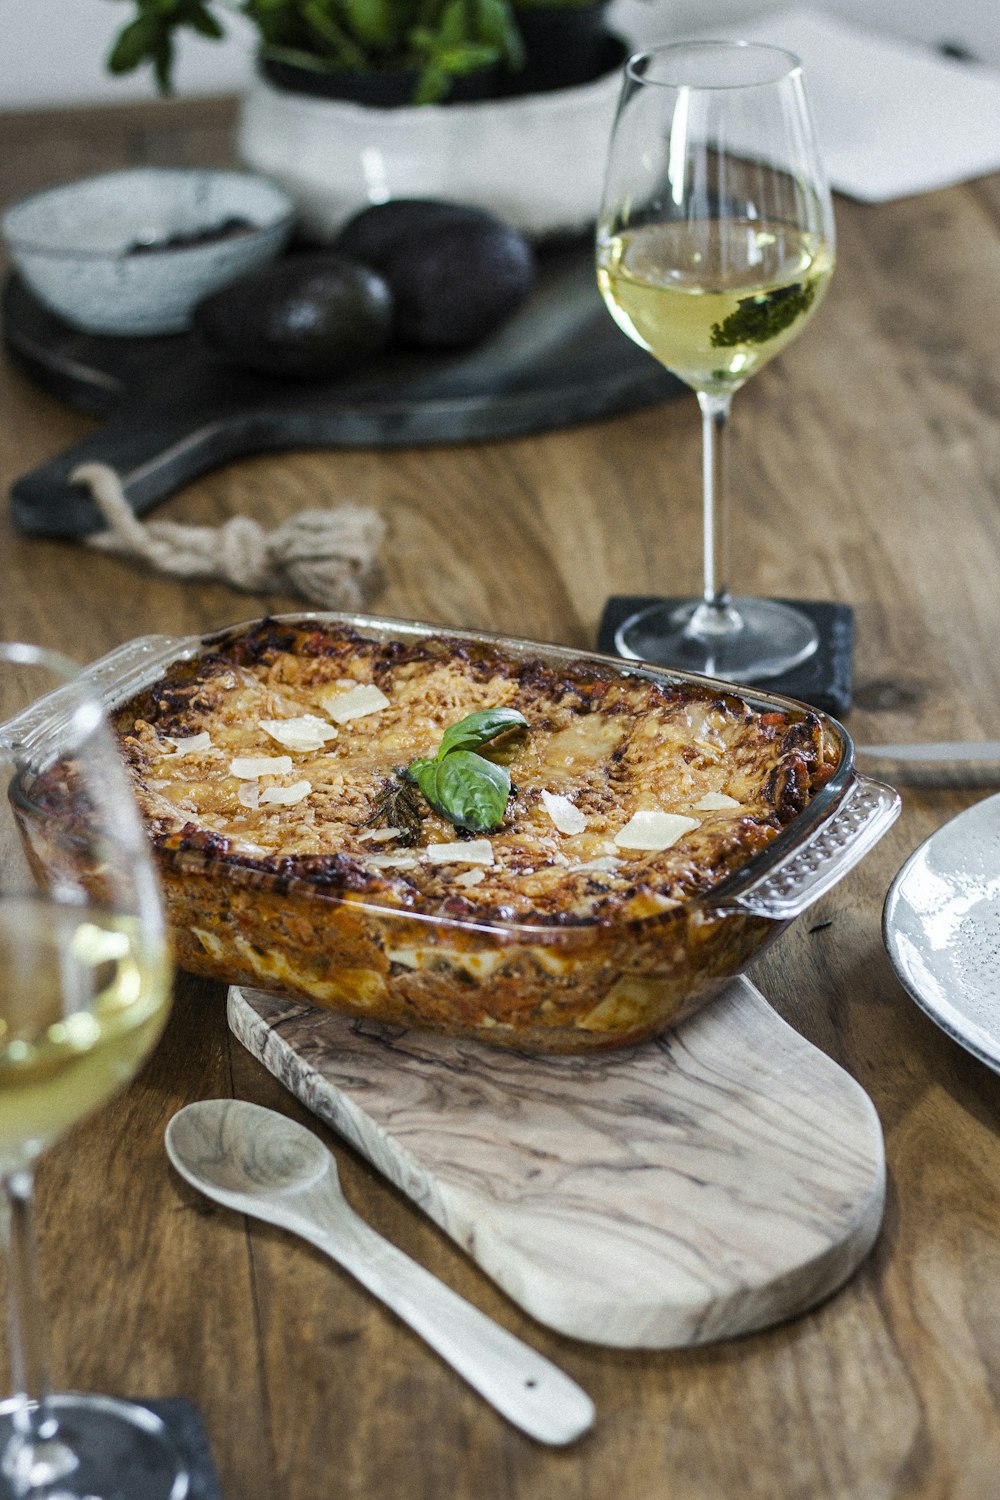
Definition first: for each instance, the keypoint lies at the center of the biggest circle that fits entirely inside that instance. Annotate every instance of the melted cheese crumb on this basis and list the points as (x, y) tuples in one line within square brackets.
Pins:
[(286, 794), (189, 745), (358, 701), (249, 767), (306, 732), (462, 852), (713, 800), (566, 816), (604, 864), (650, 828)]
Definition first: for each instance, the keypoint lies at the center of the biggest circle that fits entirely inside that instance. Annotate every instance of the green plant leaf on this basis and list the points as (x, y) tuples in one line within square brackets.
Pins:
[(467, 789), (496, 25), (163, 63), (204, 23), (464, 59), (432, 85), (479, 728), (452, 28), (135, 43), (374, 22), (332, 37)]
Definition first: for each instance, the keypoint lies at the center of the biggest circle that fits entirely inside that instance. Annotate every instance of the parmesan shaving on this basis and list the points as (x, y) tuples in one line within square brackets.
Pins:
[(360, 700), (249, 767), (378, 835), (566, 816), (650, 828), (605, 864), (462, 852), (248, 793), (306, 732), (190, 745), (712, 800), (469, 878), (286, 794), (393, 861)]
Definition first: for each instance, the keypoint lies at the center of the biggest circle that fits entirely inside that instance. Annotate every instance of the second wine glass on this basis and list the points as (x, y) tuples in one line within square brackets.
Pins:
[(715, 245), (84, 994)]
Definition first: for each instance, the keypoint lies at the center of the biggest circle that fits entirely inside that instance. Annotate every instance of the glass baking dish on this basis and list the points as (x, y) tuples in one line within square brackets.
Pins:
[(551, 988)]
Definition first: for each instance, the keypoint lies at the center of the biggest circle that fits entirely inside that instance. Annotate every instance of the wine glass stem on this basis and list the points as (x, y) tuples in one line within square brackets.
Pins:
[(715, 615), (34, 1454)]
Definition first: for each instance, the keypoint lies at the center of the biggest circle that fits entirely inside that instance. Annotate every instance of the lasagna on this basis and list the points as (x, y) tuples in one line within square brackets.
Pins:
[(273, 771)]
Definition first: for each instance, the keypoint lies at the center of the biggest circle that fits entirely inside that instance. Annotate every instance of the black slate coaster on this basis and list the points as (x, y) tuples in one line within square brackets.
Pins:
[(187, 1432), (823, 681)]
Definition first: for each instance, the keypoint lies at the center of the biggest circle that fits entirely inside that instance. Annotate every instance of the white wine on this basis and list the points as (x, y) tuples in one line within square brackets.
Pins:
[(713, 300), (84, 995)]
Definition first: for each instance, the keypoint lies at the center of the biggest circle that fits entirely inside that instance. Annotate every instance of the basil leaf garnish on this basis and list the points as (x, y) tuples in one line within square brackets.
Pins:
[(467, 789), (478, 729)]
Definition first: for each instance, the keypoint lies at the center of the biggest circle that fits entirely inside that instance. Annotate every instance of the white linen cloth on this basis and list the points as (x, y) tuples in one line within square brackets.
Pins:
[(893, 117)]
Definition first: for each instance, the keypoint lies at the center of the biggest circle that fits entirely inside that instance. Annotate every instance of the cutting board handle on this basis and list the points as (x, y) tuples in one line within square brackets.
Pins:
[(154, 453)]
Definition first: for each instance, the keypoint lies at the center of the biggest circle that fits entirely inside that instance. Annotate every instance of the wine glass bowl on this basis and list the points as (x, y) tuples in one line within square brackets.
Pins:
[(715, 246), (84, 995)]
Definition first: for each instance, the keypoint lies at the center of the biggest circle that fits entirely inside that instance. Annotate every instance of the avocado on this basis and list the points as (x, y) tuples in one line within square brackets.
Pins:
[(456, 272), (376, 233), (306, 317)]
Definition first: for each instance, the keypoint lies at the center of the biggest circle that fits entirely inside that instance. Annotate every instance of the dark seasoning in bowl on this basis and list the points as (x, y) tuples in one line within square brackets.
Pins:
[(267, 763), (229, 228)]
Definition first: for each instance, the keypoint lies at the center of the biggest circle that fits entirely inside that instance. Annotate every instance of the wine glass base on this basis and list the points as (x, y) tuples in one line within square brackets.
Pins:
[(104, 1447), (771, 638)]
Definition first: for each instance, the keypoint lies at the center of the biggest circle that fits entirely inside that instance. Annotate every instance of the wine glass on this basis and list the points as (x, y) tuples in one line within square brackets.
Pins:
[(715, 245), (84, 994)]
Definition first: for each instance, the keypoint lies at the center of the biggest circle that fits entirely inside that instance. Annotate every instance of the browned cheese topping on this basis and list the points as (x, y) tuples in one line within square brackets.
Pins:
[(282, 750)]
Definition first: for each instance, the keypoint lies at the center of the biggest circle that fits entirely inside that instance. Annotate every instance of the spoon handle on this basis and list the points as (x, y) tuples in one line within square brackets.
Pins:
[(519, 1382)]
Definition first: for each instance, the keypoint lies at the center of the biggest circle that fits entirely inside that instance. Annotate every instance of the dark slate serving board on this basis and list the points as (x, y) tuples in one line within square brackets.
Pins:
[(175, 409)]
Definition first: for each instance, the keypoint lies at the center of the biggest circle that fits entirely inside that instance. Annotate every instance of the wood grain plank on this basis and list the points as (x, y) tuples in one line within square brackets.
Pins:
[(866, 468)]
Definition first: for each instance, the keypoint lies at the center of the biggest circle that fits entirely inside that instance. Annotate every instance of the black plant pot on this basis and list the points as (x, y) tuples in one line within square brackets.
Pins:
[(564, 45), (391, 88)]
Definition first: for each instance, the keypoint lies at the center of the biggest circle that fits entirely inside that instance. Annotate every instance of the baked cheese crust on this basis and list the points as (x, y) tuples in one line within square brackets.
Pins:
[(281, 752)]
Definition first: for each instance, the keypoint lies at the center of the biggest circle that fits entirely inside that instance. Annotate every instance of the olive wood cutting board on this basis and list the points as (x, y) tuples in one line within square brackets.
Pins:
[(717, 1180)]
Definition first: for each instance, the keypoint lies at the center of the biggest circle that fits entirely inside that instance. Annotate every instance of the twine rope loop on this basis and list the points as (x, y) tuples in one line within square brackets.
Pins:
[(325, 556)]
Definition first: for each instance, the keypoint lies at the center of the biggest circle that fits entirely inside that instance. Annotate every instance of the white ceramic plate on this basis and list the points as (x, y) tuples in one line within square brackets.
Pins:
[(941, 926)]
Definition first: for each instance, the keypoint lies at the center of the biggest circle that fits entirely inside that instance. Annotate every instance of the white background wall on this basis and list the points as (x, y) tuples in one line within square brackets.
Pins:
[(53, 51)]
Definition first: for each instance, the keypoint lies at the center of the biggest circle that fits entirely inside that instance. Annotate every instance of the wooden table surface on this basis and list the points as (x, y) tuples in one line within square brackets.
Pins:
[(866, 469)]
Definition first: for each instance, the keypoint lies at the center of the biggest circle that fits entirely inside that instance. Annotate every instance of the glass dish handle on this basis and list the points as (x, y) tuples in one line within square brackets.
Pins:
[(113, 678), (810, 870)]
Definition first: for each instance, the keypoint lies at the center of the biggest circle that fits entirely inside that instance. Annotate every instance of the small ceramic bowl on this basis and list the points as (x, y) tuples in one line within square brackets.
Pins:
[(132, 252)]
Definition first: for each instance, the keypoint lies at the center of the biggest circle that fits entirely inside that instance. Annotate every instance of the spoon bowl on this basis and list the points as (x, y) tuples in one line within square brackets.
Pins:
[(249, 1150)]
